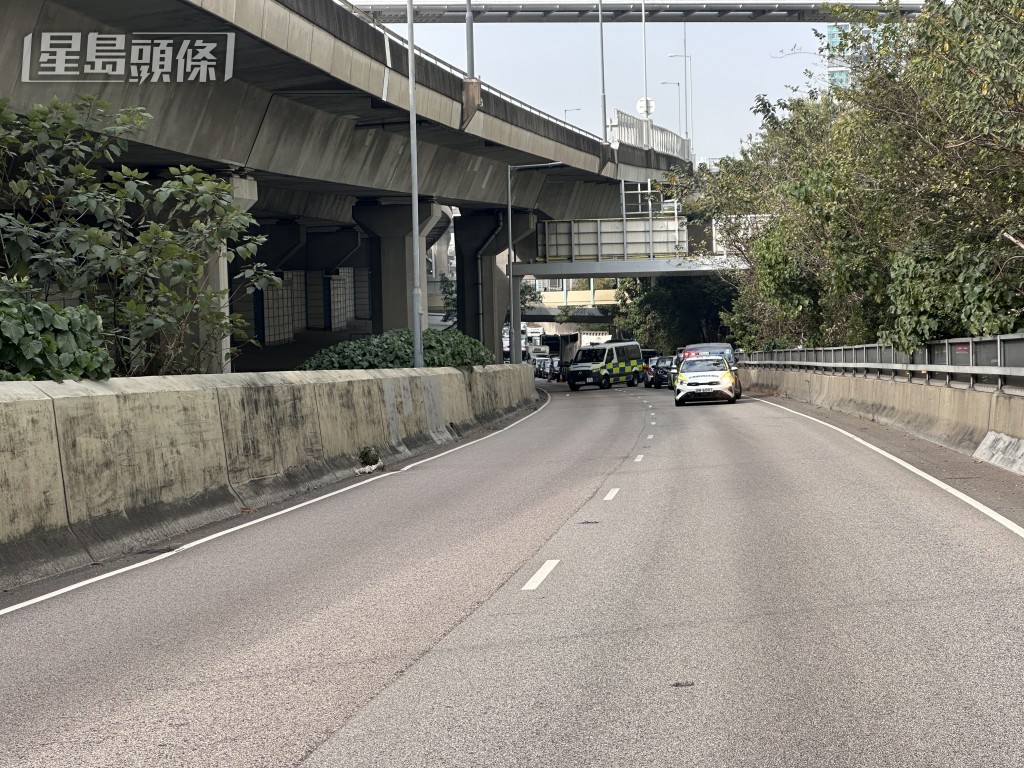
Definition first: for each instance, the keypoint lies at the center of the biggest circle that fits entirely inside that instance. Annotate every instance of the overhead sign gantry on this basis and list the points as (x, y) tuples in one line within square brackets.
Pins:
[(534, 11)]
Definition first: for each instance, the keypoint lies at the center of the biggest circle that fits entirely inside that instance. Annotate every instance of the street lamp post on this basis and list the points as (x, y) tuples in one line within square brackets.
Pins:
[(565, 113), (515, 351), (647, 101), (604, 104), (417, 293), (679, 101), (686, 86), (688, 91)]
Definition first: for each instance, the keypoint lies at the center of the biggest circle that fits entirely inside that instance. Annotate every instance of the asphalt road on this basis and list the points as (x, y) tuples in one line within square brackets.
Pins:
[(735, 585)]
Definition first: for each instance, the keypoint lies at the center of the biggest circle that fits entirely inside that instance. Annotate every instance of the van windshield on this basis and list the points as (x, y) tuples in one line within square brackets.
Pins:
[(590, 356)]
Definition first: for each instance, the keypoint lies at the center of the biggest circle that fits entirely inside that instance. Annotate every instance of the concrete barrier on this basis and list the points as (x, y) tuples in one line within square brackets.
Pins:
[(143, 459), (90, 470), (34, 531), (960, 419)]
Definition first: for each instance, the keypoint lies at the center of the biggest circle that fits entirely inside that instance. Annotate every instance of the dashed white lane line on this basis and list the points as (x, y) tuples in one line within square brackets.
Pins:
[(650, 437), (611, 494), (989, 512), (540, 575), (639, 458)]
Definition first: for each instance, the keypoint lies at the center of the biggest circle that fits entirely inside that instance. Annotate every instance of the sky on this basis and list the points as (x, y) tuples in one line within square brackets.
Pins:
[(556, 67)]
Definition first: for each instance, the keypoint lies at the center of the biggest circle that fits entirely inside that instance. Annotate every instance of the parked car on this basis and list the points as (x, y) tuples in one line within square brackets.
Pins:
[(647, 374), (658, 372), (555, 369), (647, 354), (707, 377)]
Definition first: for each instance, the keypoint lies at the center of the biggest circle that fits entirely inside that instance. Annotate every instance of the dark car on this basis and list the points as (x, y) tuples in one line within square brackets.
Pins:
[(658, 372)]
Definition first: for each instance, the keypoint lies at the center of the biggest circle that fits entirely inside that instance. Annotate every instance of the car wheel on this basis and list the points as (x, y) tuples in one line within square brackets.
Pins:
[(634, 380), (648, 385), (574, 386), (680, 401), (657, 385), (732, 399), (606, 383)]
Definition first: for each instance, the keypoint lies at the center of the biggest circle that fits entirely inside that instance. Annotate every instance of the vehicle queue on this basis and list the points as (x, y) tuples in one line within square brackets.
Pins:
[(696, 372)]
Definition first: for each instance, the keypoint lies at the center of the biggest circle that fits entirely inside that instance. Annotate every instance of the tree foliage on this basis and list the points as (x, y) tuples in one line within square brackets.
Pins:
[(129, 253), (667, 312), (890, 209)]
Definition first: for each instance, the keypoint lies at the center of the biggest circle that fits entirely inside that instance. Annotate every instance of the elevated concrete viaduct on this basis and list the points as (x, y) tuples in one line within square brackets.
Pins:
[(316, 113)]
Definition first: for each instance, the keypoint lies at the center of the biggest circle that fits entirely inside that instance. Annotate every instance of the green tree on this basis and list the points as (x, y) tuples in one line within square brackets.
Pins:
[(529, 296), (450, 299), (78, 227), (889, 210), (667, 312)]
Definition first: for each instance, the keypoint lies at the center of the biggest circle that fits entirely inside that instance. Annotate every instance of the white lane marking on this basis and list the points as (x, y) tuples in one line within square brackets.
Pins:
[(611, 494), (639, 458), (988, 511), (650, 437), (540, 575), (265, 518)]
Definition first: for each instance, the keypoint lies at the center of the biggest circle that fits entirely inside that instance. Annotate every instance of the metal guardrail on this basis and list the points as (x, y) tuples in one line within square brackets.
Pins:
[(995, 362)]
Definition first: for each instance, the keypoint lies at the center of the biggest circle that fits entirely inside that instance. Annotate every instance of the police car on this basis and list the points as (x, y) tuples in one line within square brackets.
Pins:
[(706, 377)]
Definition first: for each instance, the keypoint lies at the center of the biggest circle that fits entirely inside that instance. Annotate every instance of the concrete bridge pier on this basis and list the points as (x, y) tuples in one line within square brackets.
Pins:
[(479, 239), (390, 229), (481, 256), (245, 196)]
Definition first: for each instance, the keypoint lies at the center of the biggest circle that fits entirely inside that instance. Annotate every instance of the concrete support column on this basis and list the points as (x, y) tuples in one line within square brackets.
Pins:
[(524, 248), (480, 284), (245, 196), (391, 227)]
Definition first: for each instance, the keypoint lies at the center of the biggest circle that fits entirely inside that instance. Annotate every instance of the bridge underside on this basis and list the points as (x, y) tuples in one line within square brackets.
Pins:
[(314, 126)]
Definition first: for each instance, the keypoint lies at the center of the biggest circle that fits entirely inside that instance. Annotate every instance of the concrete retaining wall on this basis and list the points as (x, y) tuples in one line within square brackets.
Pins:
[(90, 470), (960, 419)]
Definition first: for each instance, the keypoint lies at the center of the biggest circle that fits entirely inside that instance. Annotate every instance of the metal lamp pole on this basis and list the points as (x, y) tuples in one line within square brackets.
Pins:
[(515, 351), (565, 113), (647, 101), (679, 101), (604, 104), (686, 85), (417, 294)]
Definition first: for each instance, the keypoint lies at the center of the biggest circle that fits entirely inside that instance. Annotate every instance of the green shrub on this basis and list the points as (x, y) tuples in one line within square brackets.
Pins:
[(393, 349), (39, 340)]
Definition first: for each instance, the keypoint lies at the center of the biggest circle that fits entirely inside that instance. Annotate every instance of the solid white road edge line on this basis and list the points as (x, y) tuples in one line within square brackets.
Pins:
[(987, 511), (204, 540), (540, 575), (611, 494)]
